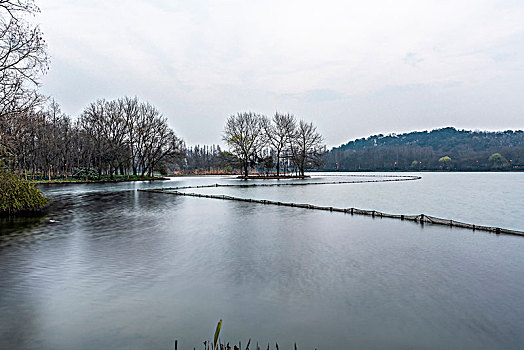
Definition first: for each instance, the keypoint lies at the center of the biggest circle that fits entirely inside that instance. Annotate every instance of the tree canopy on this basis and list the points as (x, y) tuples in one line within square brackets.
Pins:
[(468, 150)]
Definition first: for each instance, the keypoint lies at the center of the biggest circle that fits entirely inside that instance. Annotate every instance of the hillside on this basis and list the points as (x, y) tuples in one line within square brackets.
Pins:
[(439, 149)]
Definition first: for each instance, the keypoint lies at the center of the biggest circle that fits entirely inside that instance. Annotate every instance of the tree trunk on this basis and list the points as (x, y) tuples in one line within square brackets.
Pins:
[(88, 170), (25, 169), (278, 164)]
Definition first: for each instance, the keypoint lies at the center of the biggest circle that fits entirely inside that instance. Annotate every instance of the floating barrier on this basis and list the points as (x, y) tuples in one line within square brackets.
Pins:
[(387, 178), (421, 218)]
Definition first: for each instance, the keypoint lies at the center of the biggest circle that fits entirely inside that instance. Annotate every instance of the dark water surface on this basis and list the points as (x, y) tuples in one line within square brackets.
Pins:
[(112, 268)]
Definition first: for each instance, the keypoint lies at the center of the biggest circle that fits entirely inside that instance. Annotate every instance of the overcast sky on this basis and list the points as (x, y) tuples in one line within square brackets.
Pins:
[(353, 68)]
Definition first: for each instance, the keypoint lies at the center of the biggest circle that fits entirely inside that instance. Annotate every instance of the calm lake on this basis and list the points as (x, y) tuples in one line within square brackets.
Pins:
[(112, 268)]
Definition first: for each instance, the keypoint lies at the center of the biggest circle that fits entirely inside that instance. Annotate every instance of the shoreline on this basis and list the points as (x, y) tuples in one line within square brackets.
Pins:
[(60, 182)]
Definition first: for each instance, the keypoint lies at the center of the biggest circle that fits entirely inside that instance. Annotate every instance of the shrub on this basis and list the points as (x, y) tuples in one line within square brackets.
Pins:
[(18, 195), (498, 161), (81, 173)]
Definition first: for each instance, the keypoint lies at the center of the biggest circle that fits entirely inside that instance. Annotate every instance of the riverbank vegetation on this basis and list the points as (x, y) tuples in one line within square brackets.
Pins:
[(18, 195), (218, 344)]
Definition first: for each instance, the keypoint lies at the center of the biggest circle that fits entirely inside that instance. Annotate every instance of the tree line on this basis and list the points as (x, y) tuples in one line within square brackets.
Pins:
[(207, 160), (439, 149), (256, 140), (122, 136)]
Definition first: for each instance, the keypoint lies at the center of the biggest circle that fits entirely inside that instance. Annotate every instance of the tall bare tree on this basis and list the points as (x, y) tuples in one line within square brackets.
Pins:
[(307, 146), (131, 111), (157, 142), (278, 133), (23, 57), (66, 135), (115, 126), (50, 138), (244, 135), (93, 122)]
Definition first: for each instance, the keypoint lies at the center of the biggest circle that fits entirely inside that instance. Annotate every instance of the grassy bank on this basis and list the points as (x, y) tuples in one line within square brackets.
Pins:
[(18, 195), (103, 179)]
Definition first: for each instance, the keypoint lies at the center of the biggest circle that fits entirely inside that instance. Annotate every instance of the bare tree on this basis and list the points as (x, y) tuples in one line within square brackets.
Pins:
[(22, 60), (50, 139), (306, 146), (161, 143), (15, 134), (66, 134), (244, 135), (278, 133), (84, 147), (93, 122), (115, 125), (145, 131), (23, 57), (131, 113)]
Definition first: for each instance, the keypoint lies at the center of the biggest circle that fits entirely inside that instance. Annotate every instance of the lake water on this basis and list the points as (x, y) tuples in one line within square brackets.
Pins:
[(112, 268)]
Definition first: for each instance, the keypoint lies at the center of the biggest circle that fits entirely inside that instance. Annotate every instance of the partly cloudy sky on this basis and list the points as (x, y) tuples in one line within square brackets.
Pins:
[(353, 68)]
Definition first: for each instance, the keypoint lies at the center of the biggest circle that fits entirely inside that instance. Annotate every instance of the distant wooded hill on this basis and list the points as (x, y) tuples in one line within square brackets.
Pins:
[(439, 149)]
